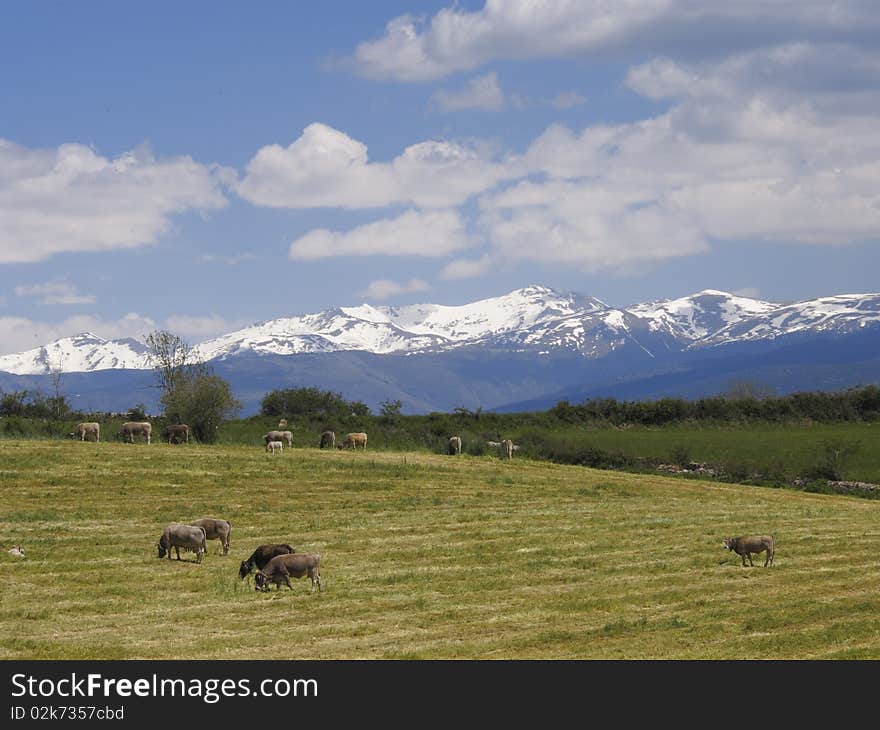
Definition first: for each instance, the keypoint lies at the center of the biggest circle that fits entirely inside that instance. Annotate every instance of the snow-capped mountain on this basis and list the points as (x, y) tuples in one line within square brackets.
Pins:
[(533, 319), (415, 328), (843, 314), (81, 353), (699, 315)]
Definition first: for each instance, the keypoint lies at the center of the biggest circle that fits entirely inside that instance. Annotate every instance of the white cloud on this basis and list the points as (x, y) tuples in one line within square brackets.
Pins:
[(382, 289), (198, 328), (481, 92), (751, 292), (326, 168), (54, 292), (417, 49), (466, 268), (72, 199), (20, 333), (413, 233), (567, 100)]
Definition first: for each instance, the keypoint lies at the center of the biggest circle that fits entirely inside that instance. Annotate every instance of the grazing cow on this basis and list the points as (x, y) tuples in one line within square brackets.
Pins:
[(507, 448), (215, 530), (86, 429), (455, 446), (748, 544), (281, 567), (493, 444), (17, 551), (353, 440), (131, 429), (282, 423), (261, 557), (328, 440), (177, 434), (182, 536), (273, 446), (279, 436)]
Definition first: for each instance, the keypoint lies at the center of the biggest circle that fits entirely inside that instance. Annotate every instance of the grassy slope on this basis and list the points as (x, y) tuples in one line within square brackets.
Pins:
[(424, 556)]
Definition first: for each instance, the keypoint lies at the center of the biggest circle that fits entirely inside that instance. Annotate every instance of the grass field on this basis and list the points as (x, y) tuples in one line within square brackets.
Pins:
[(424, 557), (790, 448)]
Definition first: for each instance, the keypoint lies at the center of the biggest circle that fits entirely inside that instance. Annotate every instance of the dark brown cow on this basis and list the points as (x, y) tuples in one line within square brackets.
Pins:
[(178, 434), (328, 440), (260, 558)]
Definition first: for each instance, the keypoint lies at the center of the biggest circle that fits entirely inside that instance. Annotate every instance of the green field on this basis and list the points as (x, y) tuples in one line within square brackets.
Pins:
[(425, 556)]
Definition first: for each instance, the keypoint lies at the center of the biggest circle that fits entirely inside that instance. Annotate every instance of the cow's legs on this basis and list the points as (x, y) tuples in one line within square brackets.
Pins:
[(177, 550)]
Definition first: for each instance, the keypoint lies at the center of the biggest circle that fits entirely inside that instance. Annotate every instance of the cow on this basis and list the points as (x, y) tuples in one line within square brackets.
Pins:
[(177, 434), (328, 440), (260, 558), (281, 567), (454, 446), (215, 530), (182, 536), (353, 440), (507, 448), (130, 429), (279, 436), (746, 545), (273, 446), (17, 551), (282, 423), (86, 429)]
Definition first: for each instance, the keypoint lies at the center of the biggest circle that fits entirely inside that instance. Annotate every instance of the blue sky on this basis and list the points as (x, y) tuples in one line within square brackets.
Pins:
[(201, 166)]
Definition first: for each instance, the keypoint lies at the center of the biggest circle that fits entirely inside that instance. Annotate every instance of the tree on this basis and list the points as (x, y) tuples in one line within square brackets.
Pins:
[(203, 403), (191, 393)]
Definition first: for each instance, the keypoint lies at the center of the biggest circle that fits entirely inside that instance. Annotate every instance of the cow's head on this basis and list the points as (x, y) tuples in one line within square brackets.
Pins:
[(162, 549), (261, 581), (729, 542), (244, 570)]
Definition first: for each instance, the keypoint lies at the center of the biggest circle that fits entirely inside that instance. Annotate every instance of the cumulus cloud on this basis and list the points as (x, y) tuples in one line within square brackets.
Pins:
[(382, 289), (54, 292), (72, 199), (415, 49), (413, 233), (326, 168), (20, 333), (466, 268), (481, 92)]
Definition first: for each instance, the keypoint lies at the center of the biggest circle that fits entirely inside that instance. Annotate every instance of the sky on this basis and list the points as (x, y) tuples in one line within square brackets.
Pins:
[(201, 166)]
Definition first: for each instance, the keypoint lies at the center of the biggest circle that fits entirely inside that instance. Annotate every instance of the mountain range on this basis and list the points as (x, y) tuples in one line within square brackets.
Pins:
[(526, 349)]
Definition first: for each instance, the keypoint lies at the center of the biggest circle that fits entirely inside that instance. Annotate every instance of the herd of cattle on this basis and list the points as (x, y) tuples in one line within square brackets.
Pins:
[(273, 563), (274, 440)]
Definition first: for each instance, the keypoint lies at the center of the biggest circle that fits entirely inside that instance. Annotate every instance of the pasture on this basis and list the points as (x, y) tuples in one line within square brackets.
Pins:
[(424, 556)]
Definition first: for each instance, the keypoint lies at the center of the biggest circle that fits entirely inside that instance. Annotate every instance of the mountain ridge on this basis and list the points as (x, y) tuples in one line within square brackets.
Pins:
[(534, 319)]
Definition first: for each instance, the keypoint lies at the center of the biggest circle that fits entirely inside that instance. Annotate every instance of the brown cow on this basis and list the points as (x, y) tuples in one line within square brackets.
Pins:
[(178, 434), (279, 436), (746, 545), (215, 530), (130, 429), (281, 567), (353, 440), (86, 429)]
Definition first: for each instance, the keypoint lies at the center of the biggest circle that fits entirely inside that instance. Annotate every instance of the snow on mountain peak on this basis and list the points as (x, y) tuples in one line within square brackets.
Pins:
[(534, 317)]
